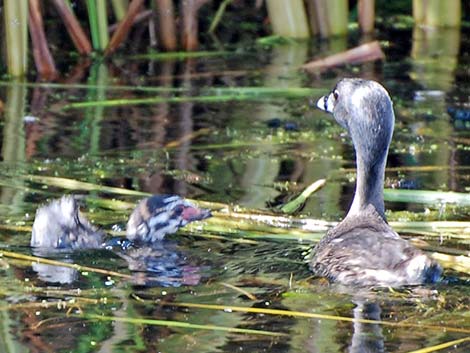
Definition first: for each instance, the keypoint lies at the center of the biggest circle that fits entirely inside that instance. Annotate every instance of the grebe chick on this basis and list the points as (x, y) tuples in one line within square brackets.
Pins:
[(156, 216), (61, 225), (363, 249)]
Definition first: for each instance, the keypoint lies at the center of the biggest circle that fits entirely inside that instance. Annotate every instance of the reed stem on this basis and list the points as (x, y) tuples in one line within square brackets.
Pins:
[(98, 18), (124, 26), (16, 33), (190, 24), (120, 8), (437, 13), (42, 55), (366, 14), (166, 24), (337, 17), (218, 15), (74, 29), (328, 17), (288, 18)]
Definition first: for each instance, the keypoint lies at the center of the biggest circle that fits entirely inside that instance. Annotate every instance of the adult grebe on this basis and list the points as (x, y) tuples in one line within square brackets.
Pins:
[(363, 249)]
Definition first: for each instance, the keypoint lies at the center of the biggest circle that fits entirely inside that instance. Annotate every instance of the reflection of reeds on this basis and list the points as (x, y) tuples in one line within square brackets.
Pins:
[(16, 19), (13, 141)]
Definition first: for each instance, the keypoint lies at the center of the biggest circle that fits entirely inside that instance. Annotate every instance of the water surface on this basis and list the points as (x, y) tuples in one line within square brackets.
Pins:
[(255, 153)]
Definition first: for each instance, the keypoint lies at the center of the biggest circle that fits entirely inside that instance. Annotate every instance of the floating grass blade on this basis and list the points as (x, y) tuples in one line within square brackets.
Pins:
[(88, 86), (295, 204), (179, 324), (274, 40), (441, 226), (427, 197), (285, 92), (459, 263), (441, 346), (149, 101), (212, 95), (179, 55), (34, 259), (72, 184), (218, 15), (300, 314), (240, 290)]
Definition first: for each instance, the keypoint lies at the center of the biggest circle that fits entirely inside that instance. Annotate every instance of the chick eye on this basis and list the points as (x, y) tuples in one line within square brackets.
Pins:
[(178, 210), (335, 94)]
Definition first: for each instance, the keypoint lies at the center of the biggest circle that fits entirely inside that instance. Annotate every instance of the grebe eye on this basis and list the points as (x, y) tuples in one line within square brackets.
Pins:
[(335, 94)]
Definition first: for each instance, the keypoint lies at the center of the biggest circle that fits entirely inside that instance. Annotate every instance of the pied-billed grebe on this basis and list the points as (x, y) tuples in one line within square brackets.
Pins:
[(156, 216), (61, 225), (363, 249)]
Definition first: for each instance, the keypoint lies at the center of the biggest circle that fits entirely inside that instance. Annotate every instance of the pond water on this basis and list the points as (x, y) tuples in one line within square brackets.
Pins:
[(237, 282)]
